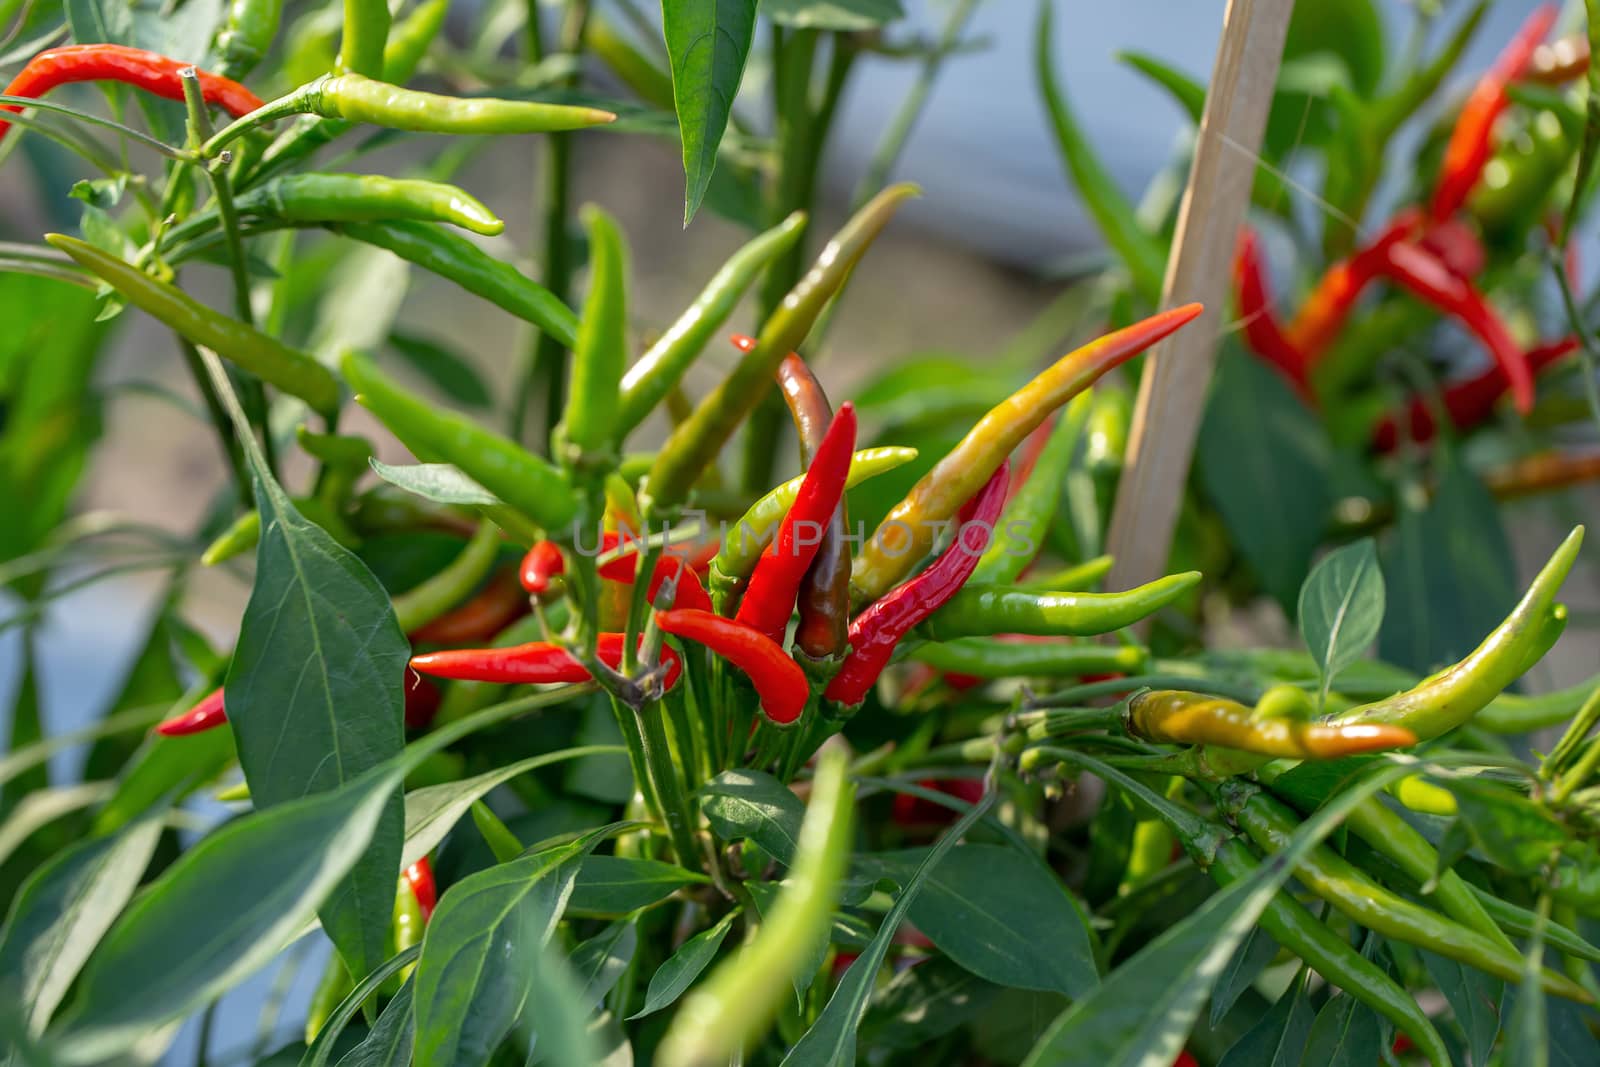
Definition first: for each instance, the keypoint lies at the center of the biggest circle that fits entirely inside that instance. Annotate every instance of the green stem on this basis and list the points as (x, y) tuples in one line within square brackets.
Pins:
[(1588, 351), (220, 422), (670, 795)]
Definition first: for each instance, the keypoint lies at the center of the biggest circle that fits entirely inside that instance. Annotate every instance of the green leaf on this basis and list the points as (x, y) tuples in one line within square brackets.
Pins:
[(389, 1042), (314, 695), (616, 885), (680, 970), (843, 15), (1474, 1000), (1243, 969), (62, 911), (1341, 608), (439, 482), (750, 804), (100, 21), (165, 770), (190, 937), (561, 1028), (1279, 1038), (1189, 93), (1264, 462), (1451, 571), (1345, 1034), (599, 963), (707, 42), (1350, 30), (447, 369), (1512, 831), (1003, 916), (925, 1002)]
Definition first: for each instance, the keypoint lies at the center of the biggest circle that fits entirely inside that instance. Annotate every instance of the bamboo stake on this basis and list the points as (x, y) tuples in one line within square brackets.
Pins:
[(1172, 390)]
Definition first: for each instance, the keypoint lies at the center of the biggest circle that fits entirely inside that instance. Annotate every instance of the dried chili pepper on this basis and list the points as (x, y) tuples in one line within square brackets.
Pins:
[(1171, 716), (1262, 330), (1472, 139), (966, 467), (1468, 402), (779, 680), (876, 631), (538, 662), (1434, 282), (150, 71), (770, 597)]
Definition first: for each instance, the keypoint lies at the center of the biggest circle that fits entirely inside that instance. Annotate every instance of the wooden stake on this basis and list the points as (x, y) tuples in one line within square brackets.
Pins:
[(1172, 391)]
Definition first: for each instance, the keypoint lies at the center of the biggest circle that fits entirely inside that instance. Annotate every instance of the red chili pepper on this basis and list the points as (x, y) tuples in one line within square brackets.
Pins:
[(1262, 330), (877, 630), (1433, 282), (779, 680), (1456, 245), (1322, 316), (419, 876), (492, 609), (914, 811), (544, 561), (1185, 1059), (1472, 140), (209, 712), (1468, 402), (775, 581), (422, 702), (535, 662), (149, 71)]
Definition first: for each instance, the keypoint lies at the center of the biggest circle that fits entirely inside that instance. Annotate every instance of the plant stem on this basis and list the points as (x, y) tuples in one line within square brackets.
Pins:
[(1588, 352), (670, 795), (219, 422)]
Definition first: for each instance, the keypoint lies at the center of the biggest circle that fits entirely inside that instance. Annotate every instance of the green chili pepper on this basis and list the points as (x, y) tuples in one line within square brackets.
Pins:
[(366, 30), (407, 926), (1358, 897), (1512, 713), (1517, 183), (335, 985), (1520, 921), (273, 362), (982, 609), (987, 657), (1142, 256), (955, 479), (1453, 696), (1077, 576), (523, 480), (732, 1007), (1174, 716), (696, 443), (637, 71), (648, 381), (1028, 514), (335, 449), (597, 359), (743, 544), (1106, 434), (245, 532), (421, 604), (457, 259), (247, 35), (410, 40), (367, 198)]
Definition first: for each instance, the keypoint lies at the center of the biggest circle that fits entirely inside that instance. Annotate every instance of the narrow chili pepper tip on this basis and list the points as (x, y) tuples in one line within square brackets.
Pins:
[(205, 715)]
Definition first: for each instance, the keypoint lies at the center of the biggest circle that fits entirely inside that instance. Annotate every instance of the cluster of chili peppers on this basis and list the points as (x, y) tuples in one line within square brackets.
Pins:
[(1432, 253)]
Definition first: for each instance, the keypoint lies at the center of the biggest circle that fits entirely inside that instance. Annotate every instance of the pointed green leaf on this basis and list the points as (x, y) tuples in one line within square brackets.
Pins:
[(707, 42), (684, 966), (743, 804), (1341, 608)]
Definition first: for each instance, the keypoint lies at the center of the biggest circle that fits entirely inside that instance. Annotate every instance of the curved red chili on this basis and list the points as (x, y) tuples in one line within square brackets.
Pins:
[(877, 630), (1262, 330), (419, 876), (1468, 402), (208, 713), (538, 662), (1432, 281), (149, 71), (1322, 316), (544, 561), (780, 682), (769, 598), (1472, 139)]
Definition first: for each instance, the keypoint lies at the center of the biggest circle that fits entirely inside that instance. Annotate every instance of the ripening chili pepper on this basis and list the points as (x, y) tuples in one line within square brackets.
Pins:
[(1541, 473), (769, 597), (1324, 311), (538, 662), (275, 363), (1451, 697), (1262, 330), (979, 610), (1171, 716), (1563, 60), (429, 600), (367, 198), (876, 631), (205, 715), (647, 383), (150, 71), (780, 682), (419, 876), (494, 607), (247, 35), (966, 467), (588, 425), (1355, 895), (1472, 139), (457, 259), (695, 443), (1031, 509), (824, 596), (1468, 402), (743, 544), (524, 481), (1001, 657), (1433, 282)]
